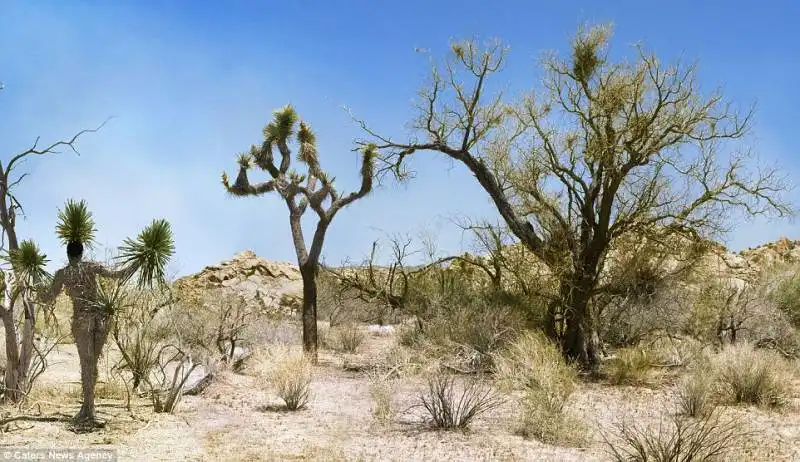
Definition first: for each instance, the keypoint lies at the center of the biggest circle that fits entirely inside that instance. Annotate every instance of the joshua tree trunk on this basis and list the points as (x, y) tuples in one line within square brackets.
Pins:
[(308, 272)]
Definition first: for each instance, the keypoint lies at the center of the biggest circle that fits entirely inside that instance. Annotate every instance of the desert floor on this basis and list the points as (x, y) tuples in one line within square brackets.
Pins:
[(231, 420)]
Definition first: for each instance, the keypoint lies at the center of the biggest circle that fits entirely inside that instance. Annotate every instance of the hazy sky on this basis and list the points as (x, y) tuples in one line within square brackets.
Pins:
[(191, 84)]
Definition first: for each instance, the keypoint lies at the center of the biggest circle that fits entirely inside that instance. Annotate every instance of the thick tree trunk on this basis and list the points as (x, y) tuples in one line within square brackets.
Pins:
[(308, 272), (579, 341)]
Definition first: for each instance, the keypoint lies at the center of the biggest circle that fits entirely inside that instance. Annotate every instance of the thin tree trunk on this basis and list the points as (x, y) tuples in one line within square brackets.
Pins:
[(308, 272), (17, 362), (11, 380)]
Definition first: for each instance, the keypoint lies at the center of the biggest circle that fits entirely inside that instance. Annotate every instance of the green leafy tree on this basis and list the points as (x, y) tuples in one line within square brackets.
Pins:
[(602, 150), (315, 189)]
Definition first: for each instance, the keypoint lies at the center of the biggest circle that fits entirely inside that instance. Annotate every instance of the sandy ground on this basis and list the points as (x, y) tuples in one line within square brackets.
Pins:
[(228, 422)]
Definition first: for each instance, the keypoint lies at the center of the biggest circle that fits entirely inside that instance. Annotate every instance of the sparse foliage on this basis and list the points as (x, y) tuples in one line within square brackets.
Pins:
[(603, 151), (215, 325), (450, 405), (708, 438)]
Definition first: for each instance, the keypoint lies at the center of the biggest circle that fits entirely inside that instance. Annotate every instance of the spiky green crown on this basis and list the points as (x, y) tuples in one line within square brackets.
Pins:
[(282, 125), (29, 262), (149, 253), (75, 223)]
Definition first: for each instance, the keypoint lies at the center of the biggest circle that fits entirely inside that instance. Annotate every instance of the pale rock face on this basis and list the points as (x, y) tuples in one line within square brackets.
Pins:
[(275, 286)]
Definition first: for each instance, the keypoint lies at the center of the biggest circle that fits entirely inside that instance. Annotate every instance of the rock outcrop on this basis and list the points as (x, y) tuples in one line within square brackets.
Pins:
[(276, 287)]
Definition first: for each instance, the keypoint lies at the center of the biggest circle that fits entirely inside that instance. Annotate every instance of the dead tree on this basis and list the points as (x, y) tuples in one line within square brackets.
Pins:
[(26, 263)]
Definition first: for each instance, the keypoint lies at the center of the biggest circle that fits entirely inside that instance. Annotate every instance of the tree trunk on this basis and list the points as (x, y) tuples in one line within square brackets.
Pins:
[(17, 362), (308, 272), (579, 342)]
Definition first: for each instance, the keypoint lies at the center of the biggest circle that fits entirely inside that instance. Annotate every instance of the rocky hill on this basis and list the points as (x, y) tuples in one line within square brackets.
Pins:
[(275, 286)]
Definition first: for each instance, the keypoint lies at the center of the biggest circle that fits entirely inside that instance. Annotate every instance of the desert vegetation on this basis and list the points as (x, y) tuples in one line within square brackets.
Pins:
[(596, 320)]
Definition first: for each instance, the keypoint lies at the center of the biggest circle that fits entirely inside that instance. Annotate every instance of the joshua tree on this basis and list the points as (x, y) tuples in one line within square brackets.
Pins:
[(93, 311), (605, 150), (315, 189)]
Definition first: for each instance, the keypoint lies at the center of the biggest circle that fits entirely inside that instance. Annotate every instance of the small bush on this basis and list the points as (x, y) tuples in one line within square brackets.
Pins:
[(450, 406), (681, 439), (382, 391), (324, 339), (534, 365), (630, 367), (349, 338), (290, 376), (696, 395), (474, 324), (749, 376)]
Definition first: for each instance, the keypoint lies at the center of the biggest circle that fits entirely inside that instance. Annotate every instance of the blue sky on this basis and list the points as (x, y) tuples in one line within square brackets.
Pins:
[(190, 84)]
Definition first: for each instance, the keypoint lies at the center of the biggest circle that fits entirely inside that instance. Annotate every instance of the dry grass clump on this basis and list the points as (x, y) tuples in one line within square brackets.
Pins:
[(534, 366), (454, 406), (749, 376), (677, 440), (289, 375), (348, 338), (630, 367), (697, 395), (382, 391)]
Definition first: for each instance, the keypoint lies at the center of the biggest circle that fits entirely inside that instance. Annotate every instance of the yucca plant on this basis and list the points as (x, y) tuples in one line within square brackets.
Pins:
[(75, 223), (28, 263), (149, 253)]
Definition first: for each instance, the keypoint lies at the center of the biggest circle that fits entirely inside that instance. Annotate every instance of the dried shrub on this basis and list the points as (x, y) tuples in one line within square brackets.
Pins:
[(451, 406), (348, 338), (678, 440), (534, 366), (382, 390), (290, 376), (174, 367), (696, 395), (215, 326), (630, 367), (750, 376)]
